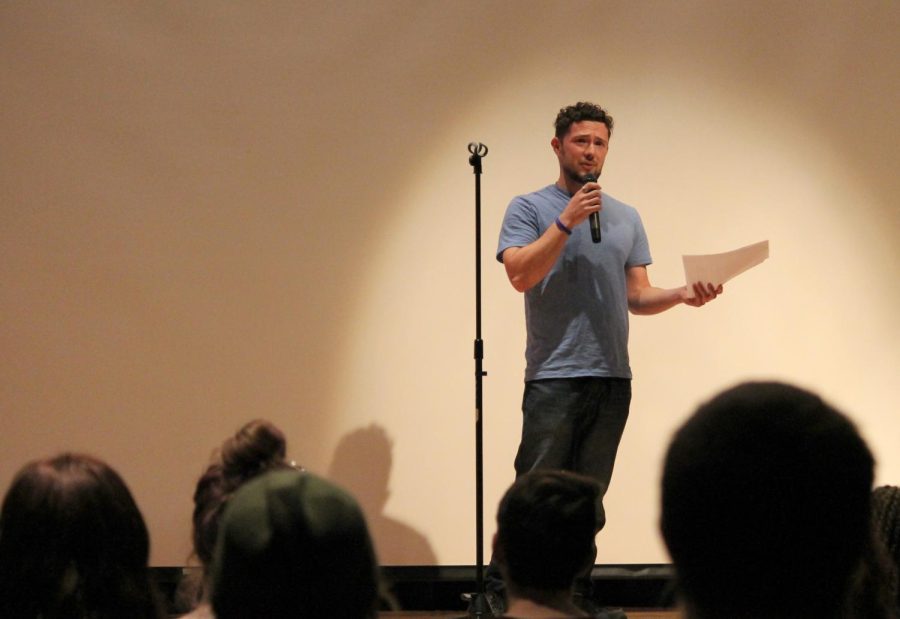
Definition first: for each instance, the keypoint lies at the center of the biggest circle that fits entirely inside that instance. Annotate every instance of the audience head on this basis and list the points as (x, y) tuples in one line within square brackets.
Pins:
[(257, 447), (766, 504), (886, 521), (73, 544), (292, 544), (546, 524)]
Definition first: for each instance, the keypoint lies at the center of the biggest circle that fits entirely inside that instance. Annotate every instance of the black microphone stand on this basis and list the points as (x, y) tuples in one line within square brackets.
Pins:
[(478, 606)]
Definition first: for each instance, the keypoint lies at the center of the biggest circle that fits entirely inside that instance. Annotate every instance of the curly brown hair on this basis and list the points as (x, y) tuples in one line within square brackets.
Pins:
[(581, 111)]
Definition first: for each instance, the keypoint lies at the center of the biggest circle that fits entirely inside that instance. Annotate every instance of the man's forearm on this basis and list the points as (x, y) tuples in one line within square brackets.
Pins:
[(528, 265), (653, 300)]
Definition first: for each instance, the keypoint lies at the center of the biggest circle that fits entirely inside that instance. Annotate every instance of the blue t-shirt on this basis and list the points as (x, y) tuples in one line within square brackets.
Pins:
[(577, 316)]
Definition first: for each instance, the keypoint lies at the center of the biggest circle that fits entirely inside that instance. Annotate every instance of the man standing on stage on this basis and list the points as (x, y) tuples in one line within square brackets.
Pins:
[(578, 292)]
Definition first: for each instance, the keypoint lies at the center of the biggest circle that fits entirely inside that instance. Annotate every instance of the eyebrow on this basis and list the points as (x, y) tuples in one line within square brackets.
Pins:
[(587, 136)]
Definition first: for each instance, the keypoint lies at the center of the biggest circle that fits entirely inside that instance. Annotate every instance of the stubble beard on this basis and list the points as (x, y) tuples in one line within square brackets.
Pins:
[(576, 177)]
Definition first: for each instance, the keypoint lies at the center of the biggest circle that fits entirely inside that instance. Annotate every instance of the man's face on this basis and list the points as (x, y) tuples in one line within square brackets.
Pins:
[(582, 150)]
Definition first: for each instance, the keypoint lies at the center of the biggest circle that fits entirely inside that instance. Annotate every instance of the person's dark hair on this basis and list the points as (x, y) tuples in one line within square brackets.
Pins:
[(886, 523), (766, 504), (258, 446), (73, 544), (546, 525), (293, 545), (872, 588), (579, 112)]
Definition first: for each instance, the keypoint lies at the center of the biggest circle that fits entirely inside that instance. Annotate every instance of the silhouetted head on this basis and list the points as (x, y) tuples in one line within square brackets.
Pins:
[(886, 520), (73, 544), (291, 545), (546, 525), (766, 504), (258, 446)]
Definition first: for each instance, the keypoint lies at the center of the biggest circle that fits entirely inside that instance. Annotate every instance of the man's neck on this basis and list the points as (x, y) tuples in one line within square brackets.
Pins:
[(569, 185)]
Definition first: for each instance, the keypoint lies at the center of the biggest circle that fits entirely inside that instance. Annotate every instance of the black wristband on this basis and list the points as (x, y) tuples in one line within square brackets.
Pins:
[(562, 227)]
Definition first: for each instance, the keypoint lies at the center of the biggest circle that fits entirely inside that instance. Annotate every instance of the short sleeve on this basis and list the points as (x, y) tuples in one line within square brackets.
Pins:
[(640, 249), (520, 226)]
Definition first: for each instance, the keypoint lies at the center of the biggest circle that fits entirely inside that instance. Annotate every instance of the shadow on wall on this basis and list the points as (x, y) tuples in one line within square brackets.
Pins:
[(362, 464)]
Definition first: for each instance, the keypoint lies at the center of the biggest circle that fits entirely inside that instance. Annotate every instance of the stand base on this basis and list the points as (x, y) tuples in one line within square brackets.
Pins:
[(480, 607)]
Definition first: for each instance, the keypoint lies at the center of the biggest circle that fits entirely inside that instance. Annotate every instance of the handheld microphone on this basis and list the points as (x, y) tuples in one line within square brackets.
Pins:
[(595, 217)]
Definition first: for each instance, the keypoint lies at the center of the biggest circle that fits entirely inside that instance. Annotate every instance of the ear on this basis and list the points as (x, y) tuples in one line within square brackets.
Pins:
[(555, 144)]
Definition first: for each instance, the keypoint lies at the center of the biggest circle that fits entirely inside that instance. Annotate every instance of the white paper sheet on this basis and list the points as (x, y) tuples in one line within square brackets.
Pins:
[(719, 268)]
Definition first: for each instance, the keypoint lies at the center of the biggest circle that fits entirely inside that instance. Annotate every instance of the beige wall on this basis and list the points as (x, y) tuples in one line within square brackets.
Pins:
[(216, 211)]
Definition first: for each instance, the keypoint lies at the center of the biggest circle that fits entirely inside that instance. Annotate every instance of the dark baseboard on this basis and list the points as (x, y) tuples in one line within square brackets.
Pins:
[(440, 587)]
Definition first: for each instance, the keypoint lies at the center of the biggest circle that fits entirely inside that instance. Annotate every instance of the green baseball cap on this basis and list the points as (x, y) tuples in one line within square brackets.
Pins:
[(292, 544)]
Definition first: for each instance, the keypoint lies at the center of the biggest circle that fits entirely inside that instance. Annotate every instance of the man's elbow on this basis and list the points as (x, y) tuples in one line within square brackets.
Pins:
[(517, 277), (518, 282), (635, 306)]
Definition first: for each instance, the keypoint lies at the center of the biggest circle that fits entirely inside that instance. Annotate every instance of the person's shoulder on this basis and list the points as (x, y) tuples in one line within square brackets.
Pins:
[(536, 201), (549, 192)]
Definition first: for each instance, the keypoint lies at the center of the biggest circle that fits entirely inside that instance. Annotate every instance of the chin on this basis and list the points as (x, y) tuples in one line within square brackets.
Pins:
[(575, 177)]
